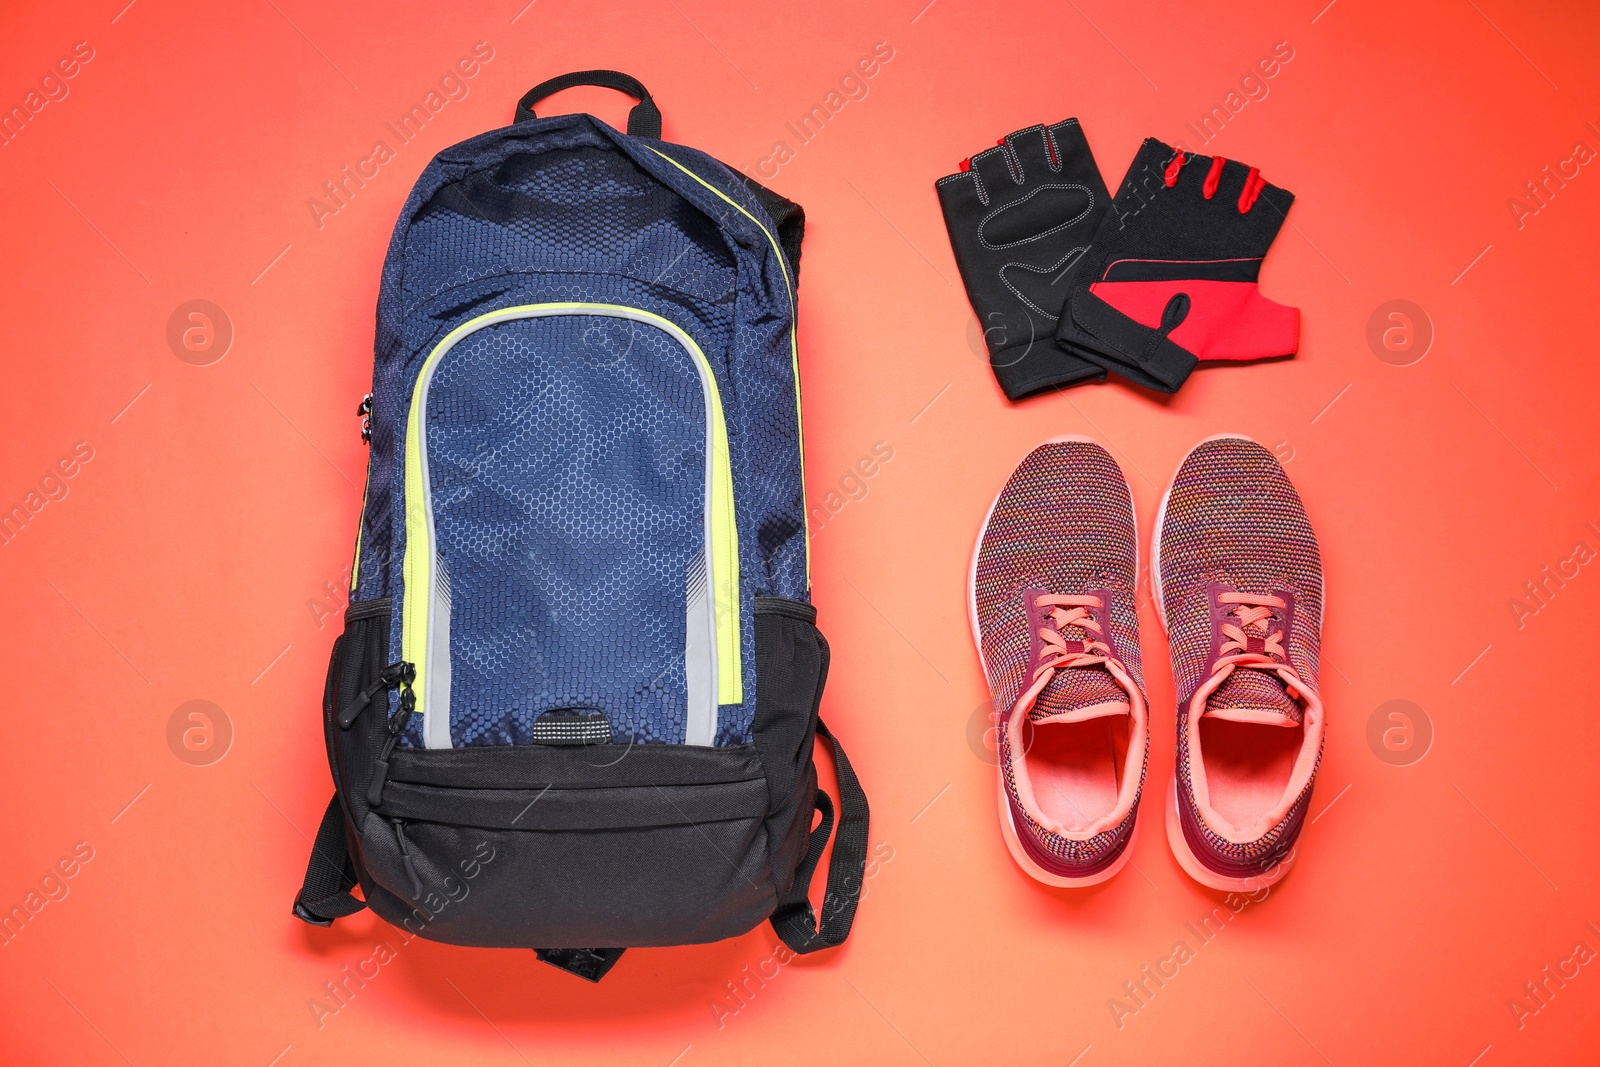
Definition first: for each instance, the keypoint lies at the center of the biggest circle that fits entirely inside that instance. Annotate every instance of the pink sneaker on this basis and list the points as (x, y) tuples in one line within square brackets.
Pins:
[(1238, 579), (1054, 616)]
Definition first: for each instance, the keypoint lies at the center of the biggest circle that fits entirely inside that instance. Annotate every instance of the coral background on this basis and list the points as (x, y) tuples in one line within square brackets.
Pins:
[(199, 553)]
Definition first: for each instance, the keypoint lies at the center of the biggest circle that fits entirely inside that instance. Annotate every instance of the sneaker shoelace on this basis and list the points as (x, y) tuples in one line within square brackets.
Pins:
[(1060, 651), (1249, 633), (1252, 641)]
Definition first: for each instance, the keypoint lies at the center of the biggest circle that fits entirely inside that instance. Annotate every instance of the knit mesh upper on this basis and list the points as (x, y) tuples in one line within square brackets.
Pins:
[(1063, 524), (1232, 518)]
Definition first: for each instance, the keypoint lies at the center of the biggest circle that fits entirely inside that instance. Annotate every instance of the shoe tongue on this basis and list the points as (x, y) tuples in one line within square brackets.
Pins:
[(1251, 695), (1077, 694), (1073, 694)]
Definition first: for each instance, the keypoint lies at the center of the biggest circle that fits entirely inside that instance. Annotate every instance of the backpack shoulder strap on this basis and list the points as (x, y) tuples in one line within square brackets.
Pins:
[(325, 895), (794, 919)]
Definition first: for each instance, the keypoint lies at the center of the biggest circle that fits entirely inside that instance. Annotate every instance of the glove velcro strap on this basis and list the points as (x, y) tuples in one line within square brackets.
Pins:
[(1140, 354)]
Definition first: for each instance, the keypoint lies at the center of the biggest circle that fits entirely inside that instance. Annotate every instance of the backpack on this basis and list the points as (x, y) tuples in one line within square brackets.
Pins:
[(574, 704)]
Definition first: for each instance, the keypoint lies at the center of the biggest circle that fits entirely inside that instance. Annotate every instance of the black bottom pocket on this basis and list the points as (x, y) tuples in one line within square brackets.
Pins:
[(601, 846), (575, 863)]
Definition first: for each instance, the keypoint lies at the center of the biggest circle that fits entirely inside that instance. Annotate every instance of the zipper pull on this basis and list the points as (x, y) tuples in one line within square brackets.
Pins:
[(401, 673), (364, 409), (405, 858), (397, 725)]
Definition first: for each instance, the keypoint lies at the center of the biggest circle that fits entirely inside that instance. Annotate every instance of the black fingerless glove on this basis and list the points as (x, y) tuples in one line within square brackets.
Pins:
[(1019, 219)]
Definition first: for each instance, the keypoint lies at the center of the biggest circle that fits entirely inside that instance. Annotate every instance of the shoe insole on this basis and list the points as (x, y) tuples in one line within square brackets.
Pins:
[(1247, 767), (1075, 768)]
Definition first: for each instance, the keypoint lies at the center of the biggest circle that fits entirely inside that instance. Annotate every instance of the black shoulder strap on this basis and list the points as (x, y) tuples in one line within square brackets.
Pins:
[(788, 216), (325, 896), (794, 919), (643, 121)]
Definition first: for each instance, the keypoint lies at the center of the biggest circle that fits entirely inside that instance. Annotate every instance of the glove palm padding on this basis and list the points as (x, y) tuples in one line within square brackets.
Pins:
[(1018, 220)]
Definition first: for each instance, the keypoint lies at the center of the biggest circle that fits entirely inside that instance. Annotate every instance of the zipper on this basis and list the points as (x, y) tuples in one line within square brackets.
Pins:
[(396, 727), (712, 649), (794, 346), (398, 673), (364, 409), (405, 858)]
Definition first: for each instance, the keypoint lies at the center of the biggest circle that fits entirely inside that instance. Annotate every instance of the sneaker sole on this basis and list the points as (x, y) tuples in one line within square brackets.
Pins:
[(1008, 828), (1175, 840)]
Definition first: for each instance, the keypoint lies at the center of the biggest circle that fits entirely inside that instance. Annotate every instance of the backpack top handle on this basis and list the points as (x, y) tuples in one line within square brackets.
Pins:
[(643, 121)]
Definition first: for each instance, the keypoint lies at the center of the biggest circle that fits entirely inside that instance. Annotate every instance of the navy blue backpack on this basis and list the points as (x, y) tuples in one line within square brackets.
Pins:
[(574, 704)]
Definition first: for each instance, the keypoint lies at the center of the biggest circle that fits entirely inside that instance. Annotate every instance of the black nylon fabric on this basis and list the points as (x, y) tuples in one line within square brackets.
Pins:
[(791, 670), (1018, 221), (357, 660), (599, 846), (591, 766), (331, 870), (612, 885), (639, 807)]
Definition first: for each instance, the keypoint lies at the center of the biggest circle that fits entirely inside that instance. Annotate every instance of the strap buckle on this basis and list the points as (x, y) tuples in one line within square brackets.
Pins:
[(306, 915)]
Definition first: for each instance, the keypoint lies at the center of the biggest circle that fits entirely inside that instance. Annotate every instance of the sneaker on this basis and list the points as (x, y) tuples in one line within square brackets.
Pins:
[(1238, 580), (1054, 615)]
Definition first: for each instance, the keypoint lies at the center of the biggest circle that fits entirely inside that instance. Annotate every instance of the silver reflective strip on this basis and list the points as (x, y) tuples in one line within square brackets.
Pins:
[(700, 653), (436, 707)]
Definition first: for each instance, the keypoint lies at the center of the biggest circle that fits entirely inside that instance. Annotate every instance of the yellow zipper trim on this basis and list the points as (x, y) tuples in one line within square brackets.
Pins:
[(361, 528), (794, 348), (417, 569)]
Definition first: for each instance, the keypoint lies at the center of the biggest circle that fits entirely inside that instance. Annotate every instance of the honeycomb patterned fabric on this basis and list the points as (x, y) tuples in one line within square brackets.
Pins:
[(1232, 519), (1063, 524), (567, 455), (567, 464)]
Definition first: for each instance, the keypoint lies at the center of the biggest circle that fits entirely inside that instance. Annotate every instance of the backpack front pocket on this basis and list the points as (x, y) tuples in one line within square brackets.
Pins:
[(606, 846), (571, 543)]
